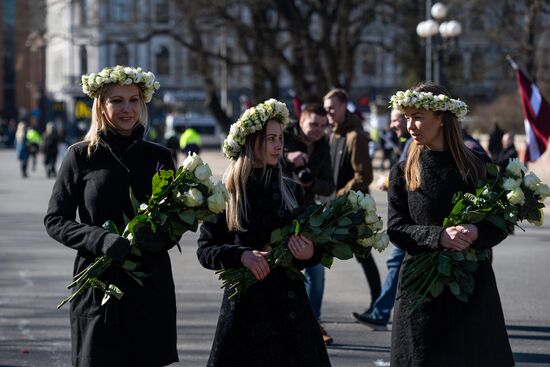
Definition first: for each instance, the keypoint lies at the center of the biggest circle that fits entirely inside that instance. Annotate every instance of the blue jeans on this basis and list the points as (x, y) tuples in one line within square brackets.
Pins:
[(315, 287), (383, 305)]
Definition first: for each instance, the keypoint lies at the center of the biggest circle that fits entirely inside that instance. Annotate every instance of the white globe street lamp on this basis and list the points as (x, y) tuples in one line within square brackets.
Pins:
[(430, 27)]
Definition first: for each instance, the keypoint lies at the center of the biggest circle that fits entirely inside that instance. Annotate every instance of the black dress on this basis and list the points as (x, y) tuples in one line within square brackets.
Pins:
[(445, 331), (272, 324), (140, 329)]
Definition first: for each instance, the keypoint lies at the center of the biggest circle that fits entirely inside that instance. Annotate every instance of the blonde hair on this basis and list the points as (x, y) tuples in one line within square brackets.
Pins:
[(21, 130), (236, 178), (100, 124), (340, 94), (470, 166)]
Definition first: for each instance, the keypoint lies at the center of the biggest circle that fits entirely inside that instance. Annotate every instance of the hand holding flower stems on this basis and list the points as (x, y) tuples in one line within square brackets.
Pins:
[(176, 205), (341, 228), (503, 199)]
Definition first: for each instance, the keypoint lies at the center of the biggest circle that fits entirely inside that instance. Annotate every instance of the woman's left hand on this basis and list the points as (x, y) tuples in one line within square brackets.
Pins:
[(470, 230), (300, 247)]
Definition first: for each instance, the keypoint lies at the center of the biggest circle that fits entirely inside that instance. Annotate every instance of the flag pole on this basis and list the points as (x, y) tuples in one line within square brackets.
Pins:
[(512, 62)]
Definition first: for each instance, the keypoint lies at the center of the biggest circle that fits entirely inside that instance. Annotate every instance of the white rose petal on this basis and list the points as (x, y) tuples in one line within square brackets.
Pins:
[(510, 183), (531, 181), (516, 196), (191, 162), (192, 198), (203, 172)]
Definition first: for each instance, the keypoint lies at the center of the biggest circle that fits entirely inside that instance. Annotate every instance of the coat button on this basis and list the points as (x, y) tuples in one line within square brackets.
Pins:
[(292, 315), (276, 196), (280, 213), (290, 294)]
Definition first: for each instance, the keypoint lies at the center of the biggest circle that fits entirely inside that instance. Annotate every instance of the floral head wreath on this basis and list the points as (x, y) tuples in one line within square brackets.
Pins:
[(428, 101), (121, 75), (252, 120)]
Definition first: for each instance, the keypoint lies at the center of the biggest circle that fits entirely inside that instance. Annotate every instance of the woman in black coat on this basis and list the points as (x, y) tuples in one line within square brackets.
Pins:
[(94, 181), (272, 324), (442, 331)]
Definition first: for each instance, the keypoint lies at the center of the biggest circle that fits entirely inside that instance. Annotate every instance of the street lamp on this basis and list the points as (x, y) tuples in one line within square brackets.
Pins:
[(429, 28)]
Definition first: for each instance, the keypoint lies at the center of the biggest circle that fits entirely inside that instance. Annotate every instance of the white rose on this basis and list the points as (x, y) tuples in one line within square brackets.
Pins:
[(368, 203), (98, 80), (543, 191), (510, 183), (128, 81), (156, 85), (216, 202), (516, 196), (191, 162), (539, 222), (138, 77), (203, 172), (377, 226), (192, 198), (515, 167), (371, 217), (381, 241), (366, 242), (352, 199), (531, 181)]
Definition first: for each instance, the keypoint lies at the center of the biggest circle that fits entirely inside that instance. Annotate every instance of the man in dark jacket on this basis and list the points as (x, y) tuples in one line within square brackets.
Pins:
[(307, 161), (351, 163)]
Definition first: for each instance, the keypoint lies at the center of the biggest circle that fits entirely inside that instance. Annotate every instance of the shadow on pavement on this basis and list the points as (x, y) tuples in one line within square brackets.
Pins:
[(531, 358)]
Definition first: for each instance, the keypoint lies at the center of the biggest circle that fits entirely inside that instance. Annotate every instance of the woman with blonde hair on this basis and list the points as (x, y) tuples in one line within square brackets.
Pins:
[(272, 324), (94, 180), (442, 331), (22, 147)]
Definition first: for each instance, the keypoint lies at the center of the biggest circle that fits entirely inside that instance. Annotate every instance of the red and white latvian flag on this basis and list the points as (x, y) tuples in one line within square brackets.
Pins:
[(536, 111)]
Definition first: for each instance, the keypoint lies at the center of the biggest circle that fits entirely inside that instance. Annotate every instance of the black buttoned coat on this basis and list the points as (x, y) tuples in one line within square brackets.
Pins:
[(443, 331), (140, 329), (272, 324)]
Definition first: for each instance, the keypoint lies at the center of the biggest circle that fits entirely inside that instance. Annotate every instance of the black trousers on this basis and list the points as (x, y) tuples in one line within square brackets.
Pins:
[(373, 276)]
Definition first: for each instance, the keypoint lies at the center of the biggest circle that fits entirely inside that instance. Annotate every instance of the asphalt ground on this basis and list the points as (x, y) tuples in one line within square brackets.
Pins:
[(34, 270)]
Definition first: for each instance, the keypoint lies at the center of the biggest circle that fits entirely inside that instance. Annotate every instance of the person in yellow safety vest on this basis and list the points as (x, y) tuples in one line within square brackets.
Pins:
[(33, 141), (190, 141)]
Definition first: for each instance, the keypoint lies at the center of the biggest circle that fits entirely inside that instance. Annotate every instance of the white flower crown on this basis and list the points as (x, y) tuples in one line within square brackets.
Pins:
[(252, 120), (121, 75), (428, 101)]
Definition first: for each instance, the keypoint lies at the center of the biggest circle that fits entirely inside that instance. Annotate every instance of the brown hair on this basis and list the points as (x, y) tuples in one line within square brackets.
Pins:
[(340, 94), (314, 108), (471, 167)]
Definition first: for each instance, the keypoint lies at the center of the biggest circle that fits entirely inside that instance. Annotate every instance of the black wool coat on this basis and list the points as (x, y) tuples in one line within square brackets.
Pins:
[(140, 329), (272, 324), (445, 331)]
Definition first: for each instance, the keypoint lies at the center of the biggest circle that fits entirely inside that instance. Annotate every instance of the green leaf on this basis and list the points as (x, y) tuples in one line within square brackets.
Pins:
[(474, 217), (134, 201), (327, 261), (437, 288), (276, 236), (316, 220), (455, 255), (342, 252), (111, 227), (344, 222), (341, 231), (188, 216), (498, 221), (454, 288), (444, 265), (492, 169)]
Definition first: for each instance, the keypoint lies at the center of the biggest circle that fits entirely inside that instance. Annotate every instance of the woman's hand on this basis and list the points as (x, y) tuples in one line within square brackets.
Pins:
[(300, 247), (458, 238), (255, 262)]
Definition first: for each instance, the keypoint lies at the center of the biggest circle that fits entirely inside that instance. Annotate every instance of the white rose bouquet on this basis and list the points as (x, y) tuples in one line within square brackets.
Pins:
[(503, 199), (179, 200), (341, 228)]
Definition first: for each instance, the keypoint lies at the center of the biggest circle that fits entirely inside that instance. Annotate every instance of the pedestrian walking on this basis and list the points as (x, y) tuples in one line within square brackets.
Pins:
[(442, 331), (351, 164), (33, 142), (49, 148), (307, 162), (94, 181), (508, 151), (22, 147), (378, 317), (272, 324)]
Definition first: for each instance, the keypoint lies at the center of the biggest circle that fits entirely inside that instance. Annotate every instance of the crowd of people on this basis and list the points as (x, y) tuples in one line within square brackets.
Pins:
[(273, 169)]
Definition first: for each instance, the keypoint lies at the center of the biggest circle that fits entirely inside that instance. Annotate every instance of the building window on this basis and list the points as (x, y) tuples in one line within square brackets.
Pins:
[(163, 61), (120, 11), (121, 55), (162, 11), (478, 67), (83, 53), (85, 11), (368, 63)]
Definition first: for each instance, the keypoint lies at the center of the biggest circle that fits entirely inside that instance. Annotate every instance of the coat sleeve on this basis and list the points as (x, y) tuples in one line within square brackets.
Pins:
[(216, 245), (60, 219), (402, 230), (358, 144), (324, 184)]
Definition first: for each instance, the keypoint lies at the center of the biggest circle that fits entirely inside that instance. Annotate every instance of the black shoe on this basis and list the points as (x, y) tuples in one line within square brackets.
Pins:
[(365, 319)]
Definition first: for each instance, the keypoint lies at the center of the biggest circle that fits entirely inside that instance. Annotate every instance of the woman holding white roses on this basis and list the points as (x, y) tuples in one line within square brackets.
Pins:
[(94, 180), (272, 324), (441, 331)]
